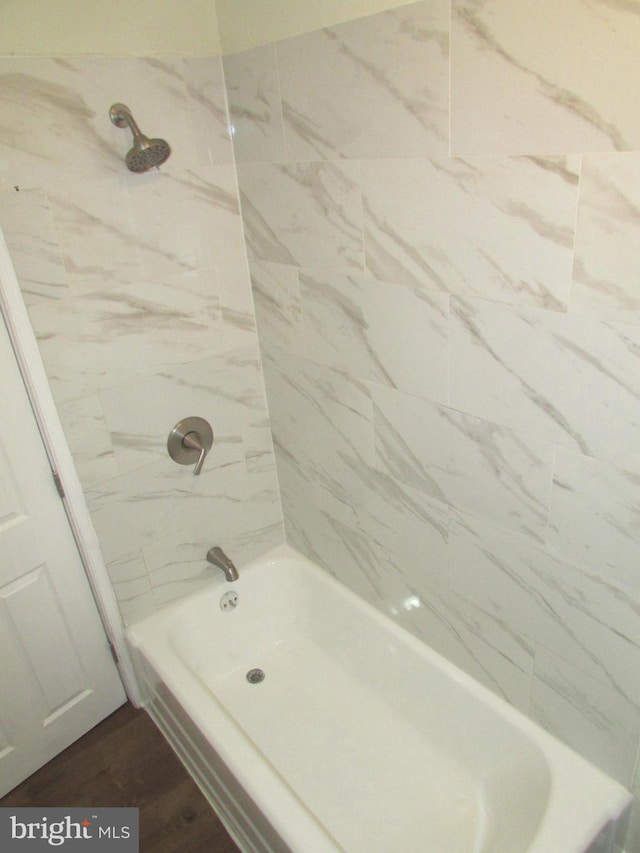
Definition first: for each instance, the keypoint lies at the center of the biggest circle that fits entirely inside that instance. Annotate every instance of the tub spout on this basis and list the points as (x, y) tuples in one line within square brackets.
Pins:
[(217, 557)]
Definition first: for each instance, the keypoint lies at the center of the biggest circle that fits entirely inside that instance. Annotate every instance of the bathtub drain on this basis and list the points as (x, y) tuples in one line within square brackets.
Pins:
[(255, 676)]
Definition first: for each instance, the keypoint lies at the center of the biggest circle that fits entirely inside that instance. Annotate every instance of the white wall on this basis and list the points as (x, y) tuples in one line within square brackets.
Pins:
[(248, 23), (165, 27), (109, 27)]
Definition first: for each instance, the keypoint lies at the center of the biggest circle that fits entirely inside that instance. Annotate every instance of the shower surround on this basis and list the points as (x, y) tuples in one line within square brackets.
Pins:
[(442, 214), (441, 209), (139, 294)]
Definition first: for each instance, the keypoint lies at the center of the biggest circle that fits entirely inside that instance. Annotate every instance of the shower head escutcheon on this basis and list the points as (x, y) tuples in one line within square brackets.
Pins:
[(146, 153)]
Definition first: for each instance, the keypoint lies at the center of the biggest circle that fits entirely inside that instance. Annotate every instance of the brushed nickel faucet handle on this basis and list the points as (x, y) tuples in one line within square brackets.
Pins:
[(189, 442)]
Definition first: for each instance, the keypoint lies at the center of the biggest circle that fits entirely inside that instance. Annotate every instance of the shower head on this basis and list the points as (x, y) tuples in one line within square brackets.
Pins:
[(146, 153)]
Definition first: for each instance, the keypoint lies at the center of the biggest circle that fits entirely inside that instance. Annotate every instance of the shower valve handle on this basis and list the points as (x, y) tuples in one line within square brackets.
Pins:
[(193, 441), (189, 442)]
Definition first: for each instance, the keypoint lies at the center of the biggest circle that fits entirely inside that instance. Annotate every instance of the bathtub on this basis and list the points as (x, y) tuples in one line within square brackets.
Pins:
[(314, 724)]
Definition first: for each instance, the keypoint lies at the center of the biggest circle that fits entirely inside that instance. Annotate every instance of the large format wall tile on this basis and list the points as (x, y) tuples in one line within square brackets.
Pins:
[(595, 517), (253, 90), (539, 77), (140, 299), (488, 649), (226, 390), (54, 115), (375, 87), (205, 85), (187, 220), (566, 379), (104, 339), (497, 228), (248, 522), (607, 252), (278, 306), (89, 439), (464, 461), (388, 333), (584, 713), (319, 414), (131, 584), (28, 228), (573, 613), (79, 212), (408, 528), (304, 214)]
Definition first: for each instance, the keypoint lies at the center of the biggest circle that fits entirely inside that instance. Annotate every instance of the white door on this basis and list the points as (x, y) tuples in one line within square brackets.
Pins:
[(57, 676)]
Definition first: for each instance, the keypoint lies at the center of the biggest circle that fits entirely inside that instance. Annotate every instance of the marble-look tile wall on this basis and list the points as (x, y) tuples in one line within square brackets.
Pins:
[(442, 213), (138, 290)]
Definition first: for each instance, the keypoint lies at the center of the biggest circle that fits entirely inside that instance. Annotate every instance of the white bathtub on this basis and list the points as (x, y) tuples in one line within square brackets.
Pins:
[(360, 738)]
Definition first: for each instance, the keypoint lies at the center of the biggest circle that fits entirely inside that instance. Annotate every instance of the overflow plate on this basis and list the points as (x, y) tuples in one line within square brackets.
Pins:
[(229, 601)]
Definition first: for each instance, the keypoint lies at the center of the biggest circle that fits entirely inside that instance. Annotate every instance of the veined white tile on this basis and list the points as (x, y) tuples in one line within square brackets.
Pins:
[(464, 461), (489, 650), (177, 568), (254, 104), (594, 517), (50, 95), (204, 80), (160, 103), (252, 542), (141, 413), (186, 220), (239, 328), (94, 230), (343, 414), (27, 226), (409, 528), (498, 228), (232, 285), (607, 257), (132, 587), (303, 214), (138, 607), (248, 513), (570, 380), (300, 496), (130, 510), (540, 77), (387, 333), (257, 442), (68, 101), (102, 340), (374, 87), (339, 550), (568, 610), (243, 518), (583, 712), (317, 414), (278, 306), (89, 440)]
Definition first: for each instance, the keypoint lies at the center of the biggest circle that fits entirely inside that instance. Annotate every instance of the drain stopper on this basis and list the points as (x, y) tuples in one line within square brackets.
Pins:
[(255, 676)]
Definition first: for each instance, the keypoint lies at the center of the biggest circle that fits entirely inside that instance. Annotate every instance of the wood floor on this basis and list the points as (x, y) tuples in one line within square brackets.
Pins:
[(125, 761)]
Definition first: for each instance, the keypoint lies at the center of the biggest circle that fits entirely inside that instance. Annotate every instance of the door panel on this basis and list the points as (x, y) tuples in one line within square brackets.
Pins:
[(57, 676)]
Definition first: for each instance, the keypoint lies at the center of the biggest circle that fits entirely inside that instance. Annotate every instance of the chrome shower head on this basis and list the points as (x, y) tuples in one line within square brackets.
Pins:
[(146, 153)]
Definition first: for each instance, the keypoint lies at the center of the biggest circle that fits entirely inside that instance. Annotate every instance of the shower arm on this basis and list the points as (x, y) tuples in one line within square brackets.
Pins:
[(121, 116)]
